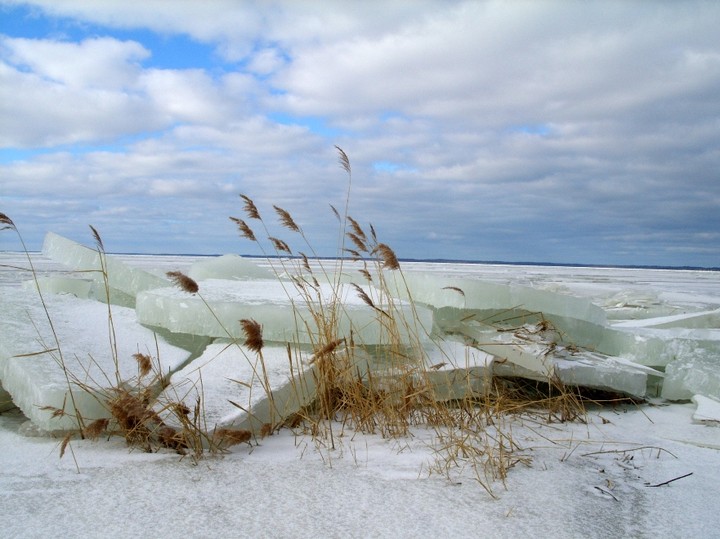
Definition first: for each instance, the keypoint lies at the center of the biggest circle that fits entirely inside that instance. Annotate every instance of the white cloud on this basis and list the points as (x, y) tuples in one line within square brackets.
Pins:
[(539, 128)]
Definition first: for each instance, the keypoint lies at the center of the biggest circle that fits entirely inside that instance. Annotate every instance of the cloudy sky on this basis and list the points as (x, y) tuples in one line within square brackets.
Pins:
[(580, 132)]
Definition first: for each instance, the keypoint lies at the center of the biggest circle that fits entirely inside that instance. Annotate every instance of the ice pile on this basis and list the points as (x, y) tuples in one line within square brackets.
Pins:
[(59, 358)]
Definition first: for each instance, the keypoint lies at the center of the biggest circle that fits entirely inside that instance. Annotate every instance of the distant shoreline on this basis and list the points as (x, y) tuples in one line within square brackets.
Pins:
[(447, 261)]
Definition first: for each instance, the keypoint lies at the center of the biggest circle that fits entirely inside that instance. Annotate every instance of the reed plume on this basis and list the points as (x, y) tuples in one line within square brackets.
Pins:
[(343, 159), (98, 239), (6, 221), (183, 282), (245, 230), (250, 208), (387, 256), (253, 335), (280, 245), (144, 362), (286, 219)]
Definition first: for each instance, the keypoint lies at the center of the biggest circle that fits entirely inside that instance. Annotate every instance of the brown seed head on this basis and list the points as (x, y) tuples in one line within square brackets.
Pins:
[(344, 160), (98, 239), (253, 335), (6, 221), (286, 219), (183, 282), (356, 228), (387, 256), (245, 230), (280, 245), (144, 362), (96, 428), (250, 208)]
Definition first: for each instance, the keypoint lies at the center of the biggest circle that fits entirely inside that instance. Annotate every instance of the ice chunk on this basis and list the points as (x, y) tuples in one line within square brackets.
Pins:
[(283, 312), (80, 288), (228, 372), (231, 267), (38, 374), (537, 351), (120, 276), (708, 411), (456, 370), (474, 294), (696, 372)]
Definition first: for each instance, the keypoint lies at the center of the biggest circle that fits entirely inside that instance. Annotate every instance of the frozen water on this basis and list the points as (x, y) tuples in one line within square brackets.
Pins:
[(39, 371), (579, 347), (285, 314)]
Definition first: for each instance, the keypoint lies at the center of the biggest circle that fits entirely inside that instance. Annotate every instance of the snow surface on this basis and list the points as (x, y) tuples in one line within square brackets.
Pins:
[(630, 471)]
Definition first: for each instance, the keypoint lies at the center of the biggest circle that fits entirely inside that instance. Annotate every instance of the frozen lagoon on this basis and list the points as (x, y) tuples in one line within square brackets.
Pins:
[(653, 336), (586, 480)]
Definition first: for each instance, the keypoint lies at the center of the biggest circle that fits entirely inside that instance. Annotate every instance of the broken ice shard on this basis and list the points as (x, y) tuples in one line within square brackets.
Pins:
[(53, 379), (120, 276), (233, 382)]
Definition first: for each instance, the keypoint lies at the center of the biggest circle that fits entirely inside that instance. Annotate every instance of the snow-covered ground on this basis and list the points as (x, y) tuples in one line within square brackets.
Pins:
[(593, 479)]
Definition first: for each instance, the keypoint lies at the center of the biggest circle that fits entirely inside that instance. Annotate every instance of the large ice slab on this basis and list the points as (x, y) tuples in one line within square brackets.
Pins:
[(228, 372), (538, 351), (122, 277), (283, 312), (474, 294), (697, 371), (31, 363)]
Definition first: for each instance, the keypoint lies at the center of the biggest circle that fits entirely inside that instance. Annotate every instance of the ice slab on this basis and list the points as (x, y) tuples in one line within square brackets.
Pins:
[(30, 362), (456, 370), (278, 307), (120, 276), (462, 293), (228, 372), (696, 372), (230, 267), (537, 351), (708, 411)]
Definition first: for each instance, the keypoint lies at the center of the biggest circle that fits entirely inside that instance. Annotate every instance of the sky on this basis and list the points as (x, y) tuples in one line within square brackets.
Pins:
[(561, 132)]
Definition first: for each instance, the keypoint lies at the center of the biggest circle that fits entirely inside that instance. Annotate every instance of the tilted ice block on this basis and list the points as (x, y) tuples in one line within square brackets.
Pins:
[(474, 294), (588, 369), (456, 370), (299, 390), (230, 267), (228, 372), (120, 276), (31, 365), (285, 314), (536, 352)]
